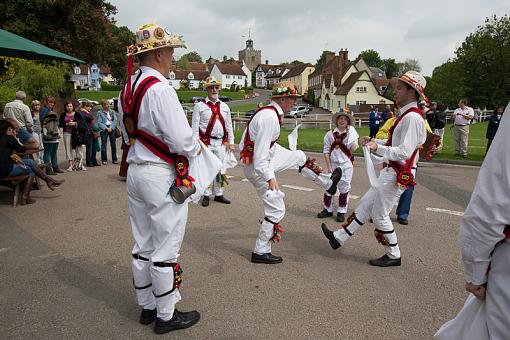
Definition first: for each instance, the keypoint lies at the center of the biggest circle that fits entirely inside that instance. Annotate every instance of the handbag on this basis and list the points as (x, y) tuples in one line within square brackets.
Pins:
[(117, 133)]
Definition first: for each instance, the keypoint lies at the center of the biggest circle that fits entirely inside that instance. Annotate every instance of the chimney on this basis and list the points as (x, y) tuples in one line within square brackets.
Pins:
[(224, 58), (329, 56), (267, 62), (344, 55)]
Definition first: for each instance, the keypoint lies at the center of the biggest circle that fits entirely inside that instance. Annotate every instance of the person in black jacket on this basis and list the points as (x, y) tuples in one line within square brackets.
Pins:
[(73, 124), (492, 128)]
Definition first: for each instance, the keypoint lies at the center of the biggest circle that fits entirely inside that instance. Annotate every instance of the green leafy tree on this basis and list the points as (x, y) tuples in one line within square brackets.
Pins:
[(183, 63), (372, 58), (391, 68), (114, 50), (322, 59), (410, 65), (447, 84), (193, 56)]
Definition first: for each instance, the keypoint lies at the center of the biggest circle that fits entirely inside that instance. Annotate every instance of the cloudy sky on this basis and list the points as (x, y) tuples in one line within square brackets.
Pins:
[(428, 31)]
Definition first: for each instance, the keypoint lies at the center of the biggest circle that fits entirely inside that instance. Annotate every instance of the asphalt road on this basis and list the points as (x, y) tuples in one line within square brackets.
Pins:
[(65, 265)]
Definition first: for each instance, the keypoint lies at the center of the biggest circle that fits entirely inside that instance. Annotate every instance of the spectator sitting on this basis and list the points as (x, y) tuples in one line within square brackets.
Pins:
[(19, 111), (107, 122), (11, 164)]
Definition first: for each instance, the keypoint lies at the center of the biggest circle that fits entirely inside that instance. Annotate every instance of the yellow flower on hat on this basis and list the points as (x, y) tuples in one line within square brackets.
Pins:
[(152, 36)]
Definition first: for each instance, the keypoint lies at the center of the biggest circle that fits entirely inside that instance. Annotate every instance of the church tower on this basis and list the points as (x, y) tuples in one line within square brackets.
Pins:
[(249, 55)]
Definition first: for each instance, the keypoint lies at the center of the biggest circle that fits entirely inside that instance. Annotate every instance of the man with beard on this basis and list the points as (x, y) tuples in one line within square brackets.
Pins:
[(400, 154), (211, 121)]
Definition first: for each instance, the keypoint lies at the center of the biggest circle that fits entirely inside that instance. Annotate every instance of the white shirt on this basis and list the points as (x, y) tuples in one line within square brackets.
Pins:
[(488, 211), (201, 116), (337, 155), (21, 112), (409, 134), (264, 128), (162, 116), (460, 120)]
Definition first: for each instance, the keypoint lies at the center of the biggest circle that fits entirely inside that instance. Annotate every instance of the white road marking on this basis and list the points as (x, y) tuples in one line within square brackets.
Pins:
[(295, 187), (353, 197), (244, 180), (446, 211)]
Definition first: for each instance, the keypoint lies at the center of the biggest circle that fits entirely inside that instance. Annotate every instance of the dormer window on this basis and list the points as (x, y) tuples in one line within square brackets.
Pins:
[(190, 76), (77, 70), (172, 75)]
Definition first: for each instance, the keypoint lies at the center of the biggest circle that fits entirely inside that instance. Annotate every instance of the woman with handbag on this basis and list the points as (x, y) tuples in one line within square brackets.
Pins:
[(107, 122), (51, 136), (90, 152), (72, 124)]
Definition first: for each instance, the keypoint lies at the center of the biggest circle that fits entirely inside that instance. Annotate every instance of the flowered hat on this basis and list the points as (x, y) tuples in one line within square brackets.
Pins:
[(285, 89), (346, 114), (416, 80), (210, 81), (152, 36)]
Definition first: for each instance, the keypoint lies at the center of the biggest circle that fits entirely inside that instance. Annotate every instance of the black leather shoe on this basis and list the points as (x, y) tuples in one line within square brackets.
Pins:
[(336, 176), (148, 316), (221, 199), (325, 213), (402, 221), (385, 261), (329, 235), (180, 320), (266, 258), (205, 201), (340, 217)]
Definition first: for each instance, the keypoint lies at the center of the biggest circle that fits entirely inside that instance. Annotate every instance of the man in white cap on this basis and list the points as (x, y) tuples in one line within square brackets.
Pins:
[(160, 138), (212, 123), (484, 241), (400, 153), (262, 158), (339, 146)]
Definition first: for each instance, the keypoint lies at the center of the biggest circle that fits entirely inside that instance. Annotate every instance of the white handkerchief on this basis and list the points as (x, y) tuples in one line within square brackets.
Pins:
[(274, 194), (293, 138), (229, 162), (372, 176), (203, 168)]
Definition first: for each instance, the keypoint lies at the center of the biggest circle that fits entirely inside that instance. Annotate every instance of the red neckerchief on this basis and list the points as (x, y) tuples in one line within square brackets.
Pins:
[(215, 115), (338, 141)]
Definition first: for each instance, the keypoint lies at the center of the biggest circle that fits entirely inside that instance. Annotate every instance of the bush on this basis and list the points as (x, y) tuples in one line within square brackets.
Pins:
[(7, 94), (108, 87)]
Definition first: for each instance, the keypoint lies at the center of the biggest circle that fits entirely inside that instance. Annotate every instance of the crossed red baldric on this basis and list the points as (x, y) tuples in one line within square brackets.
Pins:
[(205, 136)]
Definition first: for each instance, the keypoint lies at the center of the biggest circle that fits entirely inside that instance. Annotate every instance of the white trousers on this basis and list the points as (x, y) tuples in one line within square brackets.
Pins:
[(38, 156), (498, 293), (377, 203), (343, 188), (72, 154), (274, 208), (158, 225), (219, 150)]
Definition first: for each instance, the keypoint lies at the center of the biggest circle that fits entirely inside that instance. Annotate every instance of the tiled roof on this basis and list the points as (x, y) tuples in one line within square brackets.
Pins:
[(296, 71), (230, 68), (376, 72), (197, 75), (84, 69), (198, 66), (104, 69), (349, 83), (265, 67)]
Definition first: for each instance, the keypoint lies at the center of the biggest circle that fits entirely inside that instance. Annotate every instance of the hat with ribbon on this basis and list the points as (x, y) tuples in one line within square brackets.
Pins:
[(151, 36), (350, 117), (211, 81), (285, 89), (416, 81)]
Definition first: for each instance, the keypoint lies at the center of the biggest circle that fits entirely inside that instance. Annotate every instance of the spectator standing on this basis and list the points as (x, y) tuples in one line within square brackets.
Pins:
[(37, 130), (493, 126), (69, 120), (387, 114), (51, 136), (439, 120), (90, 152), (18, 110), (107, 122), (462, 116), (375, 122)]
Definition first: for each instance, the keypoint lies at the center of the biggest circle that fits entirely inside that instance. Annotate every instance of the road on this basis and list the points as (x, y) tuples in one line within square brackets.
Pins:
[(65, 264)]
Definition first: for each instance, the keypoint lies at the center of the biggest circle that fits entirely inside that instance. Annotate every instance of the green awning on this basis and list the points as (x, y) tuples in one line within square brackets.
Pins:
[(12, 45)]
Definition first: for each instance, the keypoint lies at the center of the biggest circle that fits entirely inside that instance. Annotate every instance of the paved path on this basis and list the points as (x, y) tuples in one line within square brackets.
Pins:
[(65, 264)]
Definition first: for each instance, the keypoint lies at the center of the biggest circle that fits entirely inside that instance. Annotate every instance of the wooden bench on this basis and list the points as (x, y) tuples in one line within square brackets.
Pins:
[(15, 181)]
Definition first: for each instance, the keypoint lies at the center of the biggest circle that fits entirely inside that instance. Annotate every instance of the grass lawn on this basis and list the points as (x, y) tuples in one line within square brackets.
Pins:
[(243, 107), (183, 95), (97, 95), (312, 140)]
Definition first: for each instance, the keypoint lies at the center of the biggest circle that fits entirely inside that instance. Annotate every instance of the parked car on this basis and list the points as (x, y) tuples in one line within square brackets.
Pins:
[(297, 111), (196, 99), (224, 98), (188, 111), (82, 100)]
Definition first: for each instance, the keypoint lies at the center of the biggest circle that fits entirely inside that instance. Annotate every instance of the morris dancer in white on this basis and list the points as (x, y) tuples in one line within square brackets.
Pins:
[(484, 240), (400, 152), (212, 122), (262, 157), (339, 145), (152, 116)]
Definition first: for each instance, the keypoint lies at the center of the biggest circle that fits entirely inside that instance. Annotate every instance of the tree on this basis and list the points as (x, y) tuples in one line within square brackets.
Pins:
[(447, 84), (391, 68), (183, 64), (114, 50), (410, 65), (322, 59), (293, 63), (193, 57), (372, 58), (484, 58)]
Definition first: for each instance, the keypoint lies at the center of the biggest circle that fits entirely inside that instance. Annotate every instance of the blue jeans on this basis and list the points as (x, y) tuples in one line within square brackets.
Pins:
[(18, 170), (404, 204), (104, 139), (50, 154)]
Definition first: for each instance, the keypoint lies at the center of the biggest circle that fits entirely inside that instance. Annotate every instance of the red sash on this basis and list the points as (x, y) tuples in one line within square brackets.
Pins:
[(205, 137), (249, 145), (405, 177), (507, 232), (131, 108), (338, 139)]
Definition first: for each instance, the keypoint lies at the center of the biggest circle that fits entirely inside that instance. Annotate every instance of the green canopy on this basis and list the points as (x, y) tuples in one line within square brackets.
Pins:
[(12, 45)]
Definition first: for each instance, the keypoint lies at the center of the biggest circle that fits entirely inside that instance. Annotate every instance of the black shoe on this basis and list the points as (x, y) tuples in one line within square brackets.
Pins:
[(267, 258), (325, 213), (180, 320), (329, 235), (336, 176), (340, 217), (115, 162), (385, 261), (221, 199), (58, 171), (205, 201), (371, 220), (402, 221), (148, 316)]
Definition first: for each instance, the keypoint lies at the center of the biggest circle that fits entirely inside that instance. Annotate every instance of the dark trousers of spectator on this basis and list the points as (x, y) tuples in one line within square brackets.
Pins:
[(489, 142), (50, 154), (404, 204), (90, 151), (104, 139), (373, 131)]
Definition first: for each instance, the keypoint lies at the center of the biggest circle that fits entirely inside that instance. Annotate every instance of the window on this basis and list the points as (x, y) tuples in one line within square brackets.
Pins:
[(172, 75), (76, 70), (383, 88), (361, 102), (190, 76), (82, 82), (361, 89), (227, 76)]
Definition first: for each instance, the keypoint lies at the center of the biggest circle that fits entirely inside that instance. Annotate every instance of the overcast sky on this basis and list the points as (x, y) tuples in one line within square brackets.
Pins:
[(428, 31)]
